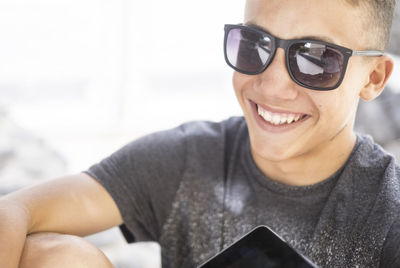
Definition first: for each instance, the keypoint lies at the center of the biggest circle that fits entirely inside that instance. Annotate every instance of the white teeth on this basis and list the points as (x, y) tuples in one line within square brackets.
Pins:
[(267, 116), (278, 119), (260, 111), (290, 118)]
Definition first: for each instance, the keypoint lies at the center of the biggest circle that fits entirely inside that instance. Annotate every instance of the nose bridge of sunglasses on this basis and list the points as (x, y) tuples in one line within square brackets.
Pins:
[(281, 43), (281, 47), (277, 67), (278, 57)]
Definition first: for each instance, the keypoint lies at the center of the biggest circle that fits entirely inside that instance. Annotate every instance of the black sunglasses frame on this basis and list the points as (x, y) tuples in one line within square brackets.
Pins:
[(286, 44)]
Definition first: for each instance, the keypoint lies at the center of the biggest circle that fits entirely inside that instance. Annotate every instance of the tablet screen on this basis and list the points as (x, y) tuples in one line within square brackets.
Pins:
[(260, 248)]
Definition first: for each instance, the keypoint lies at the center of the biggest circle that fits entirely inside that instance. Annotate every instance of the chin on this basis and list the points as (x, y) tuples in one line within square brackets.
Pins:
[(271, 153)]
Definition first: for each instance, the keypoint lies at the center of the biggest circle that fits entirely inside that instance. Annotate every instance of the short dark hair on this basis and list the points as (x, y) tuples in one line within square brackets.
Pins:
[(379, 19)]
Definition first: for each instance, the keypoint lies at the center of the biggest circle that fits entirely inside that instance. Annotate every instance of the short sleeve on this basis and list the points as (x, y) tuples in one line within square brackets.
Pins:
[(390, 256), (142, 178)]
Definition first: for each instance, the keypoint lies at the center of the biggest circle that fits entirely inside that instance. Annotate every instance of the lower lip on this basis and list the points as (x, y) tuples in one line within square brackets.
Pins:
[(267, 126)]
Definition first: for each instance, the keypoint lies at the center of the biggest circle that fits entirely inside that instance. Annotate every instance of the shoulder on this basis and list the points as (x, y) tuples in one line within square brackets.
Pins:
[(372, 161), (371, 184), (202, 136), (371, 153), (209, 143), (390, 256), (193, 131), (197, 130), (212, 129), (376, 172), (193, 139), (372, 179)]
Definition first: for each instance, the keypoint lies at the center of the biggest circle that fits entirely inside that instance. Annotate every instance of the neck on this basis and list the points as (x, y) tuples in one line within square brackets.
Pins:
[(311, 167)]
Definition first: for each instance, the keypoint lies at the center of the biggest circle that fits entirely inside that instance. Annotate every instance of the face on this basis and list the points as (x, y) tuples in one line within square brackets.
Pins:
[(271, 100)]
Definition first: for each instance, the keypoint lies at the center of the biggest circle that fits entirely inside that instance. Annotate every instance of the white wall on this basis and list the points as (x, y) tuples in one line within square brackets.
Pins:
[(89, 75)]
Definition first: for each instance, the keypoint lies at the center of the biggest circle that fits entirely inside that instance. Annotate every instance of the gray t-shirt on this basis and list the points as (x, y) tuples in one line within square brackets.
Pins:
[(195, 189)]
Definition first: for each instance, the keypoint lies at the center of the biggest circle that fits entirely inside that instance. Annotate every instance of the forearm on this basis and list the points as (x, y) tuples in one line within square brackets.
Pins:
[(75, 205), (14, 225)]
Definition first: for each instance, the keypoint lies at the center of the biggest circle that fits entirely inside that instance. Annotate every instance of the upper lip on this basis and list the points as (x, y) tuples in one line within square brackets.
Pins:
[(277, 110)]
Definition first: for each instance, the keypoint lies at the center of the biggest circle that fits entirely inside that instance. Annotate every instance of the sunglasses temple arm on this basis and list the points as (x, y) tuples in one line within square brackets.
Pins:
[(368, 53)]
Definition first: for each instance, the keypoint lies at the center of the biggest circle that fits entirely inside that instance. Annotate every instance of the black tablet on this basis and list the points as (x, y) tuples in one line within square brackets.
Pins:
[(260, 248)]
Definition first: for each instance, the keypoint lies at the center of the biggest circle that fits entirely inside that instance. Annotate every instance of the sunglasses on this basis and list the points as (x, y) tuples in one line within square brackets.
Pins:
[(312, 64)]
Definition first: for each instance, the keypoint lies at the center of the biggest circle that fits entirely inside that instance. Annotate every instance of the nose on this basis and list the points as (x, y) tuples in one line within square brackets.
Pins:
[(275, 82)]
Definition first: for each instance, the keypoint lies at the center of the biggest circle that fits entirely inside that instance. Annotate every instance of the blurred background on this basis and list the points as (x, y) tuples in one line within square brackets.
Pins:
[(79, 79)]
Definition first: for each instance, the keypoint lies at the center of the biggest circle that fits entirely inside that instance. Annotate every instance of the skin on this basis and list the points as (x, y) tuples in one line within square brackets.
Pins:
[(320, 145), (78, 205), (49, 250)]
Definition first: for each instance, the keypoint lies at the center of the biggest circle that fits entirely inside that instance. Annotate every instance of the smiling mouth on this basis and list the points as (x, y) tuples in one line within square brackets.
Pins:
[(280, 119)]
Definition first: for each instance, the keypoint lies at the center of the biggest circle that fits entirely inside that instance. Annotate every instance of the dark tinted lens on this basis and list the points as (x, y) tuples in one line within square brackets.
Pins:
[(247, 50), (316, 65)]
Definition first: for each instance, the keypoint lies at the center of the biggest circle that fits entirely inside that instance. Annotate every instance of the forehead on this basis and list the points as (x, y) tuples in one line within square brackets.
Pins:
[(328, 19)]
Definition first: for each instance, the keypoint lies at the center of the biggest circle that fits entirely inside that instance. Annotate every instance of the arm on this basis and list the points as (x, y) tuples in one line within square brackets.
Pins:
[(76, 205)]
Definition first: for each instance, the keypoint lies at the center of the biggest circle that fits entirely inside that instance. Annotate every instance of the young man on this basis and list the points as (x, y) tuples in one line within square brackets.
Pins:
[(292, 163)]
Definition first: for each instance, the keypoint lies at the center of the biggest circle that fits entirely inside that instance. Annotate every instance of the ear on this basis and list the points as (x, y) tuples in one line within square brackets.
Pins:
[(381, 70)]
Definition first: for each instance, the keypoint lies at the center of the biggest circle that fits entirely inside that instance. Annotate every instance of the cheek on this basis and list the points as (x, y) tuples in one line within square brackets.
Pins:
[(325, 107), (235, 81), (327, 104), (336, 109), (356, 77), (340, 104), (240, 83)]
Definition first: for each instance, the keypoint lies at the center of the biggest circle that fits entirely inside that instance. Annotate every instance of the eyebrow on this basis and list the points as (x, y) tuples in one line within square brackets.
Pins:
[(312, 37)]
